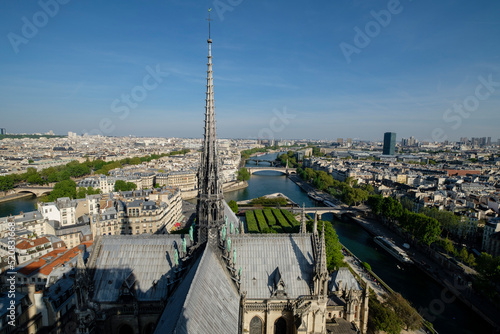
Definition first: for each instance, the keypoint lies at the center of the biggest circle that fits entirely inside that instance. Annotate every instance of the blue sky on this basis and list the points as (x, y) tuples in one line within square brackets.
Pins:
[(287, 69)]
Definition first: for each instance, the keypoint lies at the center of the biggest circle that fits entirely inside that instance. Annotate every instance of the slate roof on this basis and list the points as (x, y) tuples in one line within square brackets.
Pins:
[(345, 276), (148, 258), (341, 326), (206, 301), (260, 255)]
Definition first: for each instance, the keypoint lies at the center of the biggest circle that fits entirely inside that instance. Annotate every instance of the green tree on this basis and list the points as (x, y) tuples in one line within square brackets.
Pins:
[(375, 203), (6, 182), (381, 318), (65, 188), (233, 205), (243, 174), (121, 185), (35, 179), (405, 312), (463, 255), (471, 260)]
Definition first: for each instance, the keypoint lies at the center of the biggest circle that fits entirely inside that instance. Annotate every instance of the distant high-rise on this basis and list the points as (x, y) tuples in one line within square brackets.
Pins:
[(389, 143), (3, 131)]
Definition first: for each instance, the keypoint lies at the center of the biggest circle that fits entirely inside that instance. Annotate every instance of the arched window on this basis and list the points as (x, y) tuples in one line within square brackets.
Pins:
[(256, 326), (126, 329), (280, 326)]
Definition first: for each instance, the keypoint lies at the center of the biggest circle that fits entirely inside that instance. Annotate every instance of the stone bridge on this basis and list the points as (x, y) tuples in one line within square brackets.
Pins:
[(257, 161), (38, 191), (337, 211), (283, 170)]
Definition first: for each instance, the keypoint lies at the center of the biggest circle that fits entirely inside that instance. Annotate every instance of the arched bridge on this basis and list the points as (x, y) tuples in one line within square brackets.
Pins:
[(337, 211), (38, 191), (283, 170), (257, 161)]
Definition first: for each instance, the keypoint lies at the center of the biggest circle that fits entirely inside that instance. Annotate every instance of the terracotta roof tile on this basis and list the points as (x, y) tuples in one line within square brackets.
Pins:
[(26, 244)]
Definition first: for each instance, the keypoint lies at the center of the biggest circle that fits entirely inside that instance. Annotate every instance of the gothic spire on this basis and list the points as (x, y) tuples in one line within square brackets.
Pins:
[(303, 229), (315, 226), (322, 253), (320, 268), (210, 208)]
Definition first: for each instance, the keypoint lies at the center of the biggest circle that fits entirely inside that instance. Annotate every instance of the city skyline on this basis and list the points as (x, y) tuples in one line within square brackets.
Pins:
[(288, 71)]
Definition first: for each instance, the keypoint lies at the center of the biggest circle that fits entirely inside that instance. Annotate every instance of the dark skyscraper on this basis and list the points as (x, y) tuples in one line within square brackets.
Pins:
[(389, 143)]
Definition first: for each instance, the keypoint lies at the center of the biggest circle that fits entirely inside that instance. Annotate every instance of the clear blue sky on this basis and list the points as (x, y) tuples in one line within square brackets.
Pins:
[(303, 59)]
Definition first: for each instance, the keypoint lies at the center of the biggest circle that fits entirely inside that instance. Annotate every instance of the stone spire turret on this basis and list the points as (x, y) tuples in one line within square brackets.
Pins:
[(303, 228), (210, 207), (320, 267)]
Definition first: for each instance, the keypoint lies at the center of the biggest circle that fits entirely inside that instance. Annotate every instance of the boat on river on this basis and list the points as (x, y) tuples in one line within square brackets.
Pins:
[(392, 249)]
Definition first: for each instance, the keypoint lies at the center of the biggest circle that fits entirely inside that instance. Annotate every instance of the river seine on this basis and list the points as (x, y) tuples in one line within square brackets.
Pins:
[(414, 285)]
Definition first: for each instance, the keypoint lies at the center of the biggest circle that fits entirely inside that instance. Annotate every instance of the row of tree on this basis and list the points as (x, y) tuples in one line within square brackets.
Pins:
[(74, 169), (334, 255), (290, 157), (425, 229), (392, 315), (452, 224), (68, 188), (348, 191)]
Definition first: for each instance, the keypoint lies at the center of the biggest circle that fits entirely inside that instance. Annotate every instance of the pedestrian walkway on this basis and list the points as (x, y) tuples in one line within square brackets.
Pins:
[(358, 268)]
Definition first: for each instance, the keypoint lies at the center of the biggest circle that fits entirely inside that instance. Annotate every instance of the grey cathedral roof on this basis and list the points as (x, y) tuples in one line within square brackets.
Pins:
[(141, 262)]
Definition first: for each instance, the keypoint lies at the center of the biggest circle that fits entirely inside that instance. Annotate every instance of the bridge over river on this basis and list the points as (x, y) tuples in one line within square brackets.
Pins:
[(36, 190), (284, 170)]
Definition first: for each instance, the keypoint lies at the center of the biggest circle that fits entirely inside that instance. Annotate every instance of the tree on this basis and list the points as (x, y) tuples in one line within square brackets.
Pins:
[(375, 203), (121, 185), (382, 318), (405, 312), (233, 205), (65, 188), (35, 179), (471, 260), (243, 174), (6, 182), (463, 255), (447, 246), (334, 256)]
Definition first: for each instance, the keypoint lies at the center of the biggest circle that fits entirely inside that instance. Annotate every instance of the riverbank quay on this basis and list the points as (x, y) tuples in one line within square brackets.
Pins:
[(12, 197), (312, 192), (375, 283), (234, 185), (455, 284)]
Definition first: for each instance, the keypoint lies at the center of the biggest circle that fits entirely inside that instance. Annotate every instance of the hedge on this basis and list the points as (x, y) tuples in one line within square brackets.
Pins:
[(271, 221), (282, 221), (261, 220), (251, 222)]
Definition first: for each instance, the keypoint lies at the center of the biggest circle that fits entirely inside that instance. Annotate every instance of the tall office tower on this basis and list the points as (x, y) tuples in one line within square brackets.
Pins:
[(3, 131), (389, 143)]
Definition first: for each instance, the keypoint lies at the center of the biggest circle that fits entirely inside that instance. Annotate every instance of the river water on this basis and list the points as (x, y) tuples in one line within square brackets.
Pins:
[(422, 291), (14, 207), (417, 287)]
